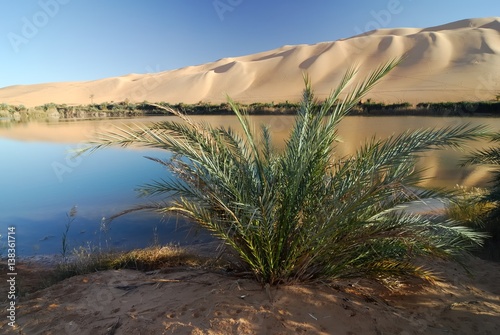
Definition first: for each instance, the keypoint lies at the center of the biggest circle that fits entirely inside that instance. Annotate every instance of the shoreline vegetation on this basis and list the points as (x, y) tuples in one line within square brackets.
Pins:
[(51, 111)]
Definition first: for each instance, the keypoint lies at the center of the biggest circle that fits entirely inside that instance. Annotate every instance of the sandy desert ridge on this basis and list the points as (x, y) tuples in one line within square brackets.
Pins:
[(459, 61)]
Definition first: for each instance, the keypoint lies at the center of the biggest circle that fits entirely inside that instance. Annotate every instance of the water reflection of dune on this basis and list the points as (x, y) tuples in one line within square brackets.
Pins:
[(442, 166), (478, 176)]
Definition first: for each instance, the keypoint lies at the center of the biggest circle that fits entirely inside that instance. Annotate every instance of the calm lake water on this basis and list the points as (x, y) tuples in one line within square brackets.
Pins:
[(41, 180)]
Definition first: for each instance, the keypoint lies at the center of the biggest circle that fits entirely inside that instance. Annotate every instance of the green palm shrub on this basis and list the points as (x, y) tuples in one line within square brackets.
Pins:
[(303, 213), (470, 207), (491, 199), (489, 156)]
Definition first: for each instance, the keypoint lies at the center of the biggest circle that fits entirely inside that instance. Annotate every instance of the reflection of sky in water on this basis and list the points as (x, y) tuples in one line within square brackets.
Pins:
[(39, 186)]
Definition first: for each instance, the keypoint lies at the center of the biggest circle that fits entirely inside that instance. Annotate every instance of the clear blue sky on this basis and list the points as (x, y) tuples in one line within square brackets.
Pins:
[(73, 40)]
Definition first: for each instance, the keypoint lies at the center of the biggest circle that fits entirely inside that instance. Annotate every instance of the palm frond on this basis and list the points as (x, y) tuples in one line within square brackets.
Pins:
[(488, 156)]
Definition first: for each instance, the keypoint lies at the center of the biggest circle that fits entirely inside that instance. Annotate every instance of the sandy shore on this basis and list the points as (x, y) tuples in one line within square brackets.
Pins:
[(202, 301)]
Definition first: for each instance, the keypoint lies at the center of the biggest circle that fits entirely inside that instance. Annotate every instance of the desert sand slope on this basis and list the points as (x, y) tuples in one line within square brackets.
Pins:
[(195, 301), (452, 62)]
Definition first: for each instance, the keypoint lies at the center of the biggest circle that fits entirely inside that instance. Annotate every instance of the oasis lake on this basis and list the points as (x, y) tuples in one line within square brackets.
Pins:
[(42, 179)]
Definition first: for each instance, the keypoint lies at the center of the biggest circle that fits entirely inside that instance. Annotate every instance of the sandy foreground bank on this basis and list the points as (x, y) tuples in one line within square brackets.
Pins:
[(200, 301)]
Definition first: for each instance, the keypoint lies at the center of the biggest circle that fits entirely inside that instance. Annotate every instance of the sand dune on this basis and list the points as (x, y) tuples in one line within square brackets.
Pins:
[(452, 62)]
